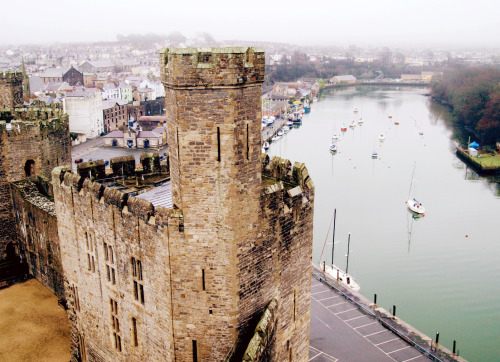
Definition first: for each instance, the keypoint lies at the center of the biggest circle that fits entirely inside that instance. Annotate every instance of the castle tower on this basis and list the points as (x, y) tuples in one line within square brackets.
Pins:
[(213, 109), (26, 82), (11, 89)]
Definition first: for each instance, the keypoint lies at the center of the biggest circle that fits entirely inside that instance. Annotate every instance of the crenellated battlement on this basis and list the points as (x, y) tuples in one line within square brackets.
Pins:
[(211, 67), (280, 169), (127, 204), (33, 113), (11, 76)]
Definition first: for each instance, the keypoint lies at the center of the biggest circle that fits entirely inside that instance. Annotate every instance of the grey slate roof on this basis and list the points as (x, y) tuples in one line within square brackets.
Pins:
[(159, 196)]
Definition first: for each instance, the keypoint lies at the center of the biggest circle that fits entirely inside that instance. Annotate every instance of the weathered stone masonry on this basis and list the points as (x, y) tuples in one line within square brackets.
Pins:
[(191, 282), (32, 142)]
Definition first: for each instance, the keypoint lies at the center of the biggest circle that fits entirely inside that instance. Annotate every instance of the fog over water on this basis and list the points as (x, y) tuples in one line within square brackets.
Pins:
[(412, 23)]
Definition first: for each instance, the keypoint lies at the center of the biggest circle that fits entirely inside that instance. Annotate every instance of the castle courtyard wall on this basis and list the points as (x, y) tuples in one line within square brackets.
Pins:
[(89, 217)]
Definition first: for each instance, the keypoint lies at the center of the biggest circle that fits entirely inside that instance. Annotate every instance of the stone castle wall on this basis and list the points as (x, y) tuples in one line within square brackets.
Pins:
[(239, 234), (35, 143), (97, 222), (276, 264), (11, 89), (36, 224)]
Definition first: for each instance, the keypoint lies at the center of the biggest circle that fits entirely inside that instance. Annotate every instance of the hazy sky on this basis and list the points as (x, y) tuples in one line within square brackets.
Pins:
[(331, 22)]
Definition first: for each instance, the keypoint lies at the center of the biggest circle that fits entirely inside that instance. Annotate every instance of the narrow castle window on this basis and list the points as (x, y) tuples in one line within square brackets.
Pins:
[(203, 278), (134, 331), (248, 147), (115, 325), (137, 280), (294, 304), (110, 261), (90, 253), (218, 144), (195, 351), (77, 299)]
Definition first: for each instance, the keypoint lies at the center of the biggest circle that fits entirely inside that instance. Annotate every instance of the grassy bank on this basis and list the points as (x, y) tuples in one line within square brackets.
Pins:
[(32, 326)]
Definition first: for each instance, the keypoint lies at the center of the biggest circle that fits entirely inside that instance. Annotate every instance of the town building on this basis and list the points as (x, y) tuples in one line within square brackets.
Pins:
[(114, 114), (85, 111), (69, 75), (132, 138)]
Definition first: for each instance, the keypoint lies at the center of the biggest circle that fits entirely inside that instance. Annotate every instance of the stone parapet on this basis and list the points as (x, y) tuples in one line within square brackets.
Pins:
[(212, 67)]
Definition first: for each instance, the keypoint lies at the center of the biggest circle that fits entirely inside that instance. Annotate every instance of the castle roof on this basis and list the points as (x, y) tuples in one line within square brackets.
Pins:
[(159, 196)]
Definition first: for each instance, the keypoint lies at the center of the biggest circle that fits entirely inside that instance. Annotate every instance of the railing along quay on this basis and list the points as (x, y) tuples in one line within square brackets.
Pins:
[(440, 354)]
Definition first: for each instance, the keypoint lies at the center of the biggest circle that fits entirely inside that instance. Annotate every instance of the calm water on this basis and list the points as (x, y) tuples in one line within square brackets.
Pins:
[(441, 271)]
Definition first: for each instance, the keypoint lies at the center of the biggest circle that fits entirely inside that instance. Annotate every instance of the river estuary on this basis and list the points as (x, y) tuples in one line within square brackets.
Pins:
[(441, 271)]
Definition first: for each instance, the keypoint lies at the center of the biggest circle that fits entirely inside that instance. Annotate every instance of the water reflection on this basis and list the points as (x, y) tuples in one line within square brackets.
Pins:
[(422, 264), (411, 219)]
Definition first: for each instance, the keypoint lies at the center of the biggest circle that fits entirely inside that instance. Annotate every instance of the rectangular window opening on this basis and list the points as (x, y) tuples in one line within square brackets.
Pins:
[(178, 147), (248, 147), (218, 144), (203, 278), (106, 251), (195, 351), (134, 330)]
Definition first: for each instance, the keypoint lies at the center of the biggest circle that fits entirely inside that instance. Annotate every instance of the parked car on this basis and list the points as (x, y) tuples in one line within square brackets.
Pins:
[(78, 160)]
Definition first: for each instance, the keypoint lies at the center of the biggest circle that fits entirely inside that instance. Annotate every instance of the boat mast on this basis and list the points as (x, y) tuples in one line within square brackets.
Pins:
[(411, 181), (348, 243), (333, 240)]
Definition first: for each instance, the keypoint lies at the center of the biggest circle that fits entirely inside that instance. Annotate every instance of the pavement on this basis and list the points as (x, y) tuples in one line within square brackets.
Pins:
[(342, 332), (93, 149)]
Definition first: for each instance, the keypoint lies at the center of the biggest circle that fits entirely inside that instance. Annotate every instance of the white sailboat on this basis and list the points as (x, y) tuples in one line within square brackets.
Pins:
[(413, 204), (333, 271)]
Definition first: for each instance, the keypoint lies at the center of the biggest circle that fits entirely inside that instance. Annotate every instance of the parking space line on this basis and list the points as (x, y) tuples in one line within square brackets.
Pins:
[(411, 359), (371, 334), (323, 291), (319, 300), (323, 323), (347, 320), (398, 349), (390, 340), (326, 355), (333, 305), (346, 311), (369, 324)]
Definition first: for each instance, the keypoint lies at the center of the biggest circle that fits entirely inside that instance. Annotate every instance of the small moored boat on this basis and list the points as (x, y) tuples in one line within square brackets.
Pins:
[(416, 206)]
